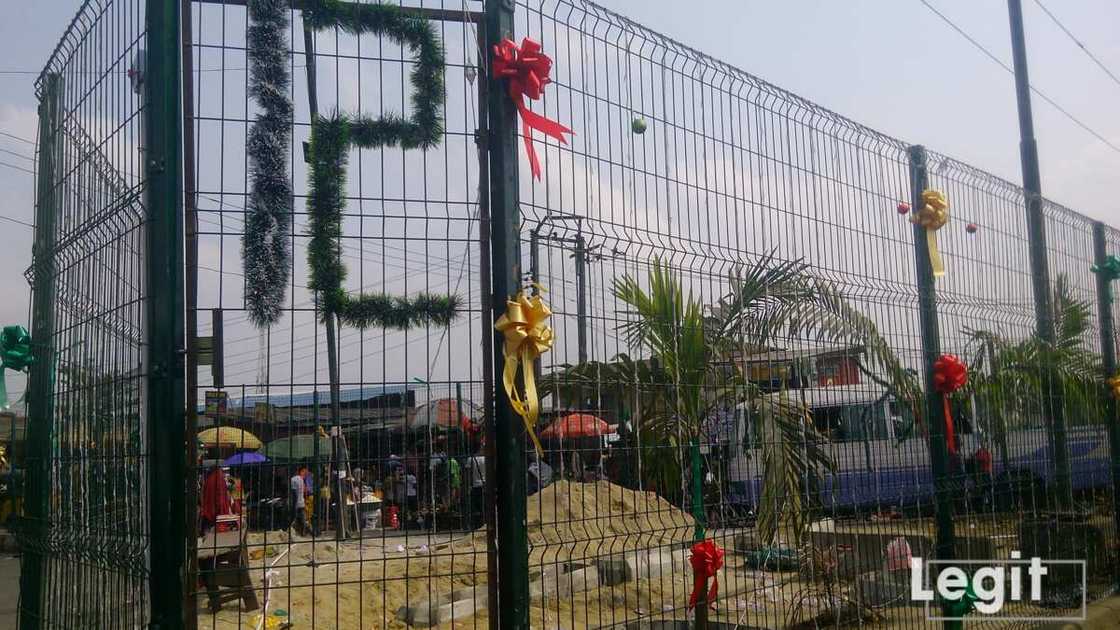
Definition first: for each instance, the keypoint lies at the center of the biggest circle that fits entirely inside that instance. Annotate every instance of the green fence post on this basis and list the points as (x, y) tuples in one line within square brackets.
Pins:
[(40, 397), (166, 396), (931, 350), (1108, 363), (505, 260)]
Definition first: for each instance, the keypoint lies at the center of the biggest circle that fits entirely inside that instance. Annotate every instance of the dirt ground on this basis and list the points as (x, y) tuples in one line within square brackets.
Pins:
[(362, 584)]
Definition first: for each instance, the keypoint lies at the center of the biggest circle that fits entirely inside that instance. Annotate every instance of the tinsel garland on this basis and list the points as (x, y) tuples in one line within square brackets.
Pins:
[(331, 139), (266, 246), (425, 128)]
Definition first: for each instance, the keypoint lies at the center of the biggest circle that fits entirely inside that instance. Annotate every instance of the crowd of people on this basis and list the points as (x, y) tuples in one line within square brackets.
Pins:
[(429, 486)]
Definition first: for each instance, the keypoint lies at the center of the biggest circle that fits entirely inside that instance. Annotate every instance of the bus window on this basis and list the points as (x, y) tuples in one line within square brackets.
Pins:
[(749, 431), (851, 423)]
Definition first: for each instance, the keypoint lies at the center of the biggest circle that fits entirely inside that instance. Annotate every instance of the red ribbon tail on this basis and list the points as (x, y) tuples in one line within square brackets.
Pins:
[(534, 162), (714, 592), (531, 120), (697, 588), (950, 438), (547, 126)]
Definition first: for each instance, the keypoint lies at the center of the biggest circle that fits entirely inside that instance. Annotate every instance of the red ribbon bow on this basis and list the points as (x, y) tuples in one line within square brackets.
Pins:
[(949, 375), (707, 558), (527, 69)]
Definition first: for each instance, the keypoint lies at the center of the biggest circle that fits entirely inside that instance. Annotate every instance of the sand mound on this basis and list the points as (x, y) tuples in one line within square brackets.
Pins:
[(352, 585), (570, 520)]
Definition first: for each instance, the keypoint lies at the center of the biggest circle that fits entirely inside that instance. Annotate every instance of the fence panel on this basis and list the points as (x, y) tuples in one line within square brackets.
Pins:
[(411, 402), (690, 183), (86, 532)]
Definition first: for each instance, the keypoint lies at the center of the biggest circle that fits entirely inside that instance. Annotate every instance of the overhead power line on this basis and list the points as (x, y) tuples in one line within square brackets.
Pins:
[(18, 168), (15, 220), (18, 154), (15, 137), (1010, 70), (1084, 49)]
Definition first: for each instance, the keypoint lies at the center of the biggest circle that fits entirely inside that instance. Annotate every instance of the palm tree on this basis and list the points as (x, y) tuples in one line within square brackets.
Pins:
[(1007, 376), (771, 301)]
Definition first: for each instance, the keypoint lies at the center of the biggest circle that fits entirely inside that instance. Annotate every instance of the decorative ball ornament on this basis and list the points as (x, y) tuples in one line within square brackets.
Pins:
[(903, 207), (949, 374), (638, 126), (971, 228)]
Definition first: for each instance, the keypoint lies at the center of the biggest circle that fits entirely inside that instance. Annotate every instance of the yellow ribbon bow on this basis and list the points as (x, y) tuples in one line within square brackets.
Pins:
[(933, 215), (1114, 385), (527, 336)]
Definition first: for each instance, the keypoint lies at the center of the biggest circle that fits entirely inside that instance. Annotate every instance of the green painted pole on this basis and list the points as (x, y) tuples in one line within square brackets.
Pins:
[(698, 515), (505, 259), (40, 397), (1052, 406), (700, 519), (166, 395), (931, 350), (1108, 363)]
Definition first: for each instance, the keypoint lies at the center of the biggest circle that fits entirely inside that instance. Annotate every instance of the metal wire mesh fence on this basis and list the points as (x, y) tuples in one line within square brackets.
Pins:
[(86, 531), (745, 321)]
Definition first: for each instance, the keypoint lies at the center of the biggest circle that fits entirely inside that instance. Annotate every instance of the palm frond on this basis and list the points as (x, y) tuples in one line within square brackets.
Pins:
[(794, 454)]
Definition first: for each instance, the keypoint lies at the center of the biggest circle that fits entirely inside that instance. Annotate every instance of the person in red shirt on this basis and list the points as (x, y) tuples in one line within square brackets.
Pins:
[(980, 469), (984, 460), (215, 499)]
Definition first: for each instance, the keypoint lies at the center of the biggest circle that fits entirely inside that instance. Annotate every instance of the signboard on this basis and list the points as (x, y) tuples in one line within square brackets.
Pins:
[(216, 403), (262, 412), (205, 350)]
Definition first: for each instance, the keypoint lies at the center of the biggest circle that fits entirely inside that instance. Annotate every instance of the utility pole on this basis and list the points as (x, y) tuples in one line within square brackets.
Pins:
[(581, 296), (1108, 361), (580, 254), (1052, 404), (331, 322)]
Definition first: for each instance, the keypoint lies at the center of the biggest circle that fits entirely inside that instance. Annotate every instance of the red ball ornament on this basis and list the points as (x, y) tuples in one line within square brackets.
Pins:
[(903, 207), (971, 228), (949, 374)]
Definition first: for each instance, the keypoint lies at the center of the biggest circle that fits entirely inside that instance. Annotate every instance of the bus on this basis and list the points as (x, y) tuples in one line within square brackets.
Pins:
[(882, 458)]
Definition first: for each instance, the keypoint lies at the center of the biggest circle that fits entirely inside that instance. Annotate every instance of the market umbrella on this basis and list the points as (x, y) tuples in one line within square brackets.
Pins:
[(299, 448), (243, 459), (577, 425), (229, 436), (441, 414)]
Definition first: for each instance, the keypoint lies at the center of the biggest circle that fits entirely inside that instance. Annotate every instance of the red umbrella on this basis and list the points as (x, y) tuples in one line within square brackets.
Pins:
[(577, 425), (441, 413)]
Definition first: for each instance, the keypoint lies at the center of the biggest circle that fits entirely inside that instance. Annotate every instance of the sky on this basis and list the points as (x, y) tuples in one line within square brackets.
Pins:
[(892, 65)]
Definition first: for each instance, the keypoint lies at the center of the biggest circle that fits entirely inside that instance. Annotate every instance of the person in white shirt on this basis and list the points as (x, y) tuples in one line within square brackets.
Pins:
[(297, 502), (476, 472)]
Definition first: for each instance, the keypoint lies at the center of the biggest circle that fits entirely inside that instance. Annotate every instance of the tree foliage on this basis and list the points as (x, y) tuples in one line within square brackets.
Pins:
[(689, 374)]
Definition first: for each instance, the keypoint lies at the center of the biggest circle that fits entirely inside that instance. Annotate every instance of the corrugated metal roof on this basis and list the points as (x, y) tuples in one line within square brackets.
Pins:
[(307, 399)]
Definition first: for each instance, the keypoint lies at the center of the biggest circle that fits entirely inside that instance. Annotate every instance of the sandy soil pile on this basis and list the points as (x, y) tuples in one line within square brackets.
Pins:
[(322, 584), (574, 521)]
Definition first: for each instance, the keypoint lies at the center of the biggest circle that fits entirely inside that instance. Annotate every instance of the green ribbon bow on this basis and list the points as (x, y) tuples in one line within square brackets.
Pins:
[(1110, 268), (15, 355), (957, 608)]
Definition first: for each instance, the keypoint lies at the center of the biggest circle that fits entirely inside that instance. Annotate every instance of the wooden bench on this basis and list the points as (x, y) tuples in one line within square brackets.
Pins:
[(223, 564)]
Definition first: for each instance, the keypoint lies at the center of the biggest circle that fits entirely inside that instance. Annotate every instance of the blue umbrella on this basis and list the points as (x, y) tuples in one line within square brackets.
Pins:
[(241, 459)]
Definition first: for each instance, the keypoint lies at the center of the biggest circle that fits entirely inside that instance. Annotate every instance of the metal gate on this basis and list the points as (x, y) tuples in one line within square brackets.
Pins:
[(107, 329)]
